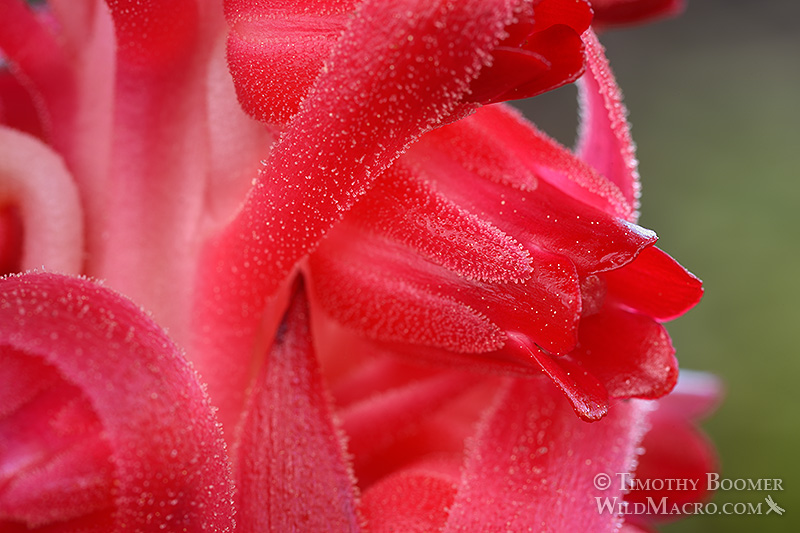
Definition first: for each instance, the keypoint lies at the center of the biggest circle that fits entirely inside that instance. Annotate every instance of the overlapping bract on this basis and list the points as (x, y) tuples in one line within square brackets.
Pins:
[(103, 423), (453, 253)]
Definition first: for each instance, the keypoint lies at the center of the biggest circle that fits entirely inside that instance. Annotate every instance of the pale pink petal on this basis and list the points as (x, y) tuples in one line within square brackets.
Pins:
[(35, 180)]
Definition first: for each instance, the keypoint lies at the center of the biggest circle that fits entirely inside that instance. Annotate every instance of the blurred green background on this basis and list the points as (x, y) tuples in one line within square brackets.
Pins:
[(714, 99)]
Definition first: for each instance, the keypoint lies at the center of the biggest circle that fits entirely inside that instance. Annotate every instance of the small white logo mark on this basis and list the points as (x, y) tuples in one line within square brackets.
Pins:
[(774, 506)]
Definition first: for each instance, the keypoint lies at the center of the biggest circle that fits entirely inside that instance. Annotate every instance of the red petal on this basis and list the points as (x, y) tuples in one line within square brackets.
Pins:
[(375, 98), (55, 464), (41, 63), (549, 55), (374, 290), (375, 425), (276, 51), (155, 35), (11, 237), (539, 216), (499, 144), (533, 464), (562, 51), (416, 215), (629, 353), (416, 500), (548, 13), (605, 138), (292, 474), (654, 284), (673, 450), (586, 394), (17, 107), (169, 460), (391, 294), (621, 12)]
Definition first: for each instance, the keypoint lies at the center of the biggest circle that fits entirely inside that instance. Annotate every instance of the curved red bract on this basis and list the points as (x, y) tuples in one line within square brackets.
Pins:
[(140, 402)]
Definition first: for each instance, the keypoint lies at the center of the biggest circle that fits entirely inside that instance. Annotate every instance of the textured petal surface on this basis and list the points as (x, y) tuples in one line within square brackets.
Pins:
[(34, 179), (170, 465), (390, 78), (277, 49), (604, 140), (533, 464), (292, 474), (415, 500), (171, 31)]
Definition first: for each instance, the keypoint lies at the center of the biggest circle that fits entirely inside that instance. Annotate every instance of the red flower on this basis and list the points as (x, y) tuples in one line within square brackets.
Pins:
[(452, 254)]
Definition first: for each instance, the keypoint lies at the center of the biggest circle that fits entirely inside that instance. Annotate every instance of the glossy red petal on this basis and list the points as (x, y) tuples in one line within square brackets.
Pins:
[(629, 353), (395, 73), (543, 51), (589, 398), (549, 13), (533, 464), (623, 12), (561, 48), (292, 474), (604, 138), (169, 460), (654, 284)]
